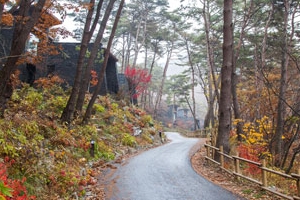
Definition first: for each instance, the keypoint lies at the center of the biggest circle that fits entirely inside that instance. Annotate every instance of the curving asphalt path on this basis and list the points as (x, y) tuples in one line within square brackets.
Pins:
[(165, 173)]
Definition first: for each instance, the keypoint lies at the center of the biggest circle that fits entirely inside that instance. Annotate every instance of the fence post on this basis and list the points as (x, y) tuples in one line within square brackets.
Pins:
[(221, 157), (207, 151), (211, 138), (298, 184), (264, 174), (237, 166)]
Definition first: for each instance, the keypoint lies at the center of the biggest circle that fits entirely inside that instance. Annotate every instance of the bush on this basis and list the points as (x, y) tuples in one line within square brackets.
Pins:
[(48, 155), (11, 188), (128, 140)]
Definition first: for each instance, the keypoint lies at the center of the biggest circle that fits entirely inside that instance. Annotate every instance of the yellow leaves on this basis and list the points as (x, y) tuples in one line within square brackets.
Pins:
[(251, 140), (236, 121), (243, 136), (254, 132), (2, 197)]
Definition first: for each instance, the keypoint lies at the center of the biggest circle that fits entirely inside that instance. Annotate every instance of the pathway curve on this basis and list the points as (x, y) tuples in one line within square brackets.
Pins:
[(165, 173)]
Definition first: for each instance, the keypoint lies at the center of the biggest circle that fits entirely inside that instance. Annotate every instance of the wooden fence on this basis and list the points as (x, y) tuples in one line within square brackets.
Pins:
[(199, 133), (263, 182)]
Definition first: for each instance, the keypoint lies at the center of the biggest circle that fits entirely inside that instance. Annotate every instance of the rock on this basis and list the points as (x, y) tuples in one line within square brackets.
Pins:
[(83, 172)]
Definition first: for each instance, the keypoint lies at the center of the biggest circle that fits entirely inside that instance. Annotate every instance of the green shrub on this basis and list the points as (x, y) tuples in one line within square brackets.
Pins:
[(33, 97), (147, 119), (128, 140), (147, 138), (56, 104), (103, 151), (99, 108), (114, 106)]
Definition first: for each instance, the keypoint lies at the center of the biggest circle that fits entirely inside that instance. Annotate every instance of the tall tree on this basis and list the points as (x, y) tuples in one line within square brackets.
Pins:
[(138, 80), (226, 97), (171, 37), (23, 26), (213, 86), (88, 32), (93, 55), (178, 89), (236, 108), (149, 16), (140, 23), (103, 69), (187, 44), (281, 107), (82, 76), (208, 15)]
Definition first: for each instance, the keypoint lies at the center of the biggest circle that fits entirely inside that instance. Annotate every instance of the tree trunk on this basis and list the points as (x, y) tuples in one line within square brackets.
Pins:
[(236, 108), (103, 69), (143, 95), (123, 54), (154, 56), (296, 151), (128, 50), (137, 47), (193, 113), (226, 71), (193, 108), (1, 12), (22, 29), (281, 107), (136, 44), (159, 95), (210, 120), (93, 56), (259, 73), (150, 101), (69, 110), (288, 144)]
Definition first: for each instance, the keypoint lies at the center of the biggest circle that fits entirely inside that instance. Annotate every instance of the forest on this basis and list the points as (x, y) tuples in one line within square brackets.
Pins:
[(243, 55)]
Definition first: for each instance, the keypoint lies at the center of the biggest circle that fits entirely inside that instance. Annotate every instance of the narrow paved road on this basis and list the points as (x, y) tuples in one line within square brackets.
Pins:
[(165, 173)]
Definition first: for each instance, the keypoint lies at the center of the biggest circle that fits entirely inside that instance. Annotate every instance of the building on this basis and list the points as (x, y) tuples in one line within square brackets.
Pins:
[(63, 64)]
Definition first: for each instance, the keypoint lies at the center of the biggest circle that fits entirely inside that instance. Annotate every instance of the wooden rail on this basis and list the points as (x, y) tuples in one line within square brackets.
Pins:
[(263, 182)]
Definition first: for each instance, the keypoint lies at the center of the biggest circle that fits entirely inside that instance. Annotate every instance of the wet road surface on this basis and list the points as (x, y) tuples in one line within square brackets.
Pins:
[(165, 173)]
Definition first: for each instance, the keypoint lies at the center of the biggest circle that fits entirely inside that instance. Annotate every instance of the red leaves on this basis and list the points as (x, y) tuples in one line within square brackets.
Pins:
[(250, 152), (138, 80), (94, 78), (16, 188)]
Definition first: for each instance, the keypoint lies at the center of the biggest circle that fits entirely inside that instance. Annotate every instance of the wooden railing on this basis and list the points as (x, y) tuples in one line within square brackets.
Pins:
[(236, 171), (204, 133)]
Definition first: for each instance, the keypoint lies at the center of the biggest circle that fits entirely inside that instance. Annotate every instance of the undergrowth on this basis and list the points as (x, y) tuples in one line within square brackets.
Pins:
[(42, 159)]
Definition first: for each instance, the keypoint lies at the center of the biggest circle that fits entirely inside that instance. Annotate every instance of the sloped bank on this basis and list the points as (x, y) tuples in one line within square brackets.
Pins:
[(45, 159)]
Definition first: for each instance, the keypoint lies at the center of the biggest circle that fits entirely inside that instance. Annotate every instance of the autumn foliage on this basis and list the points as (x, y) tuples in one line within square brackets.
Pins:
[(94, 78), (11, 188), (256, 137), (41, 157), (138, 80)]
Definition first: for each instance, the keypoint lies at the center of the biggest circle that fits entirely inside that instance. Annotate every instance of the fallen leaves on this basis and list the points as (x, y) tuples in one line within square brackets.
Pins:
[(214, 174)]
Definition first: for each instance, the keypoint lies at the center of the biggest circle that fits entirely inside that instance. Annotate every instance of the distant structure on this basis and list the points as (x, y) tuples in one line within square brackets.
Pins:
[(64, 65)]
